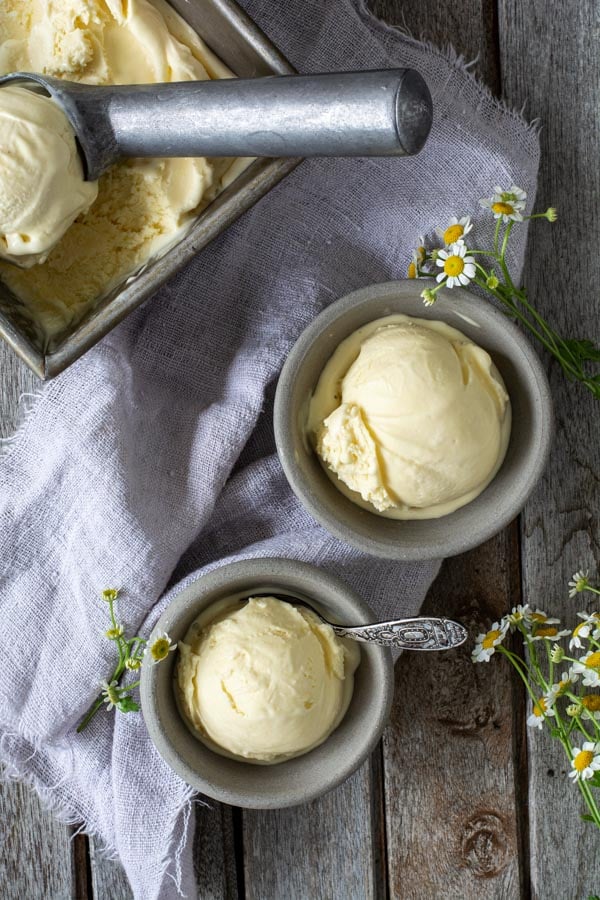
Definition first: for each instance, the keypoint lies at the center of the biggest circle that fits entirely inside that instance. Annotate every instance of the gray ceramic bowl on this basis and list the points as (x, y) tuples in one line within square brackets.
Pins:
[(296, 780), (497, 505)]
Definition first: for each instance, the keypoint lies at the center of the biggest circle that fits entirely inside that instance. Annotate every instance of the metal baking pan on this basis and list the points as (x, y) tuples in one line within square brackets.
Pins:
[(247, 51)]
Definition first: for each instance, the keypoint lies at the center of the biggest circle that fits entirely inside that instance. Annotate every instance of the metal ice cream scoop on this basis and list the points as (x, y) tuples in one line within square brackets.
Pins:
[(419, 633), (370, 113)]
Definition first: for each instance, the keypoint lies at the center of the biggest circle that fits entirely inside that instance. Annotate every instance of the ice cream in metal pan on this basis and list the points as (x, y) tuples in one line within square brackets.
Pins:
[(143, 207), (151, 216)]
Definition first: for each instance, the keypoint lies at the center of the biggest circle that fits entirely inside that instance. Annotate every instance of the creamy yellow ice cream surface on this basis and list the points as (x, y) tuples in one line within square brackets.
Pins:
[(143, 206), (42, 190), (410, 418), (265, 681)]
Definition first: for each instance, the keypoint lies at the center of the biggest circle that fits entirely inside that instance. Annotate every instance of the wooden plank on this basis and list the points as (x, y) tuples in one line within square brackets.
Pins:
[(217, 839), (327, 849), (109, 881), (37, 858), (453, 829), (551, 63), (452, 826)]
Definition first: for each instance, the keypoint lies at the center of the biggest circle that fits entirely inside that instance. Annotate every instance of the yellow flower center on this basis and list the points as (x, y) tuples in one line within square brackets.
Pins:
[(160, 649), (421, 253), (563, 685), (412, 270), (578, 628), (593, 661), (453, 233), (592, 702), (548, 631), (488, 641), (538, 617), (504, 209), (539, 708), (583, 759), (454, 265)]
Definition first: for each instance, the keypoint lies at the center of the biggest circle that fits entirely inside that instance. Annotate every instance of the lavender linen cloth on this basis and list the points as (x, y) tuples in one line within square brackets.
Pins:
[(149, 461)]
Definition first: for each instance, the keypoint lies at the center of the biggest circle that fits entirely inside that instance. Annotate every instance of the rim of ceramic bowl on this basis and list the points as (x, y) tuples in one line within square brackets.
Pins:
[(328, 767), (466, 312)]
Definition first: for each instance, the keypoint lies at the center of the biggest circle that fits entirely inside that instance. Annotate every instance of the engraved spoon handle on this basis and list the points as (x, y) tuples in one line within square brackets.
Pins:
[(409, 634)]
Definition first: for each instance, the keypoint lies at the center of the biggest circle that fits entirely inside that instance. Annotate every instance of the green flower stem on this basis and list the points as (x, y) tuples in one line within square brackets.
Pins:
[(507, 232), (97, 704), (590, 801), (512, 657), (550, 663), (497, 235)]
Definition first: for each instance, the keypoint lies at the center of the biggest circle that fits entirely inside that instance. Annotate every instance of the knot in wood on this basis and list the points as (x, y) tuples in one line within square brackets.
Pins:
[(485, 844)]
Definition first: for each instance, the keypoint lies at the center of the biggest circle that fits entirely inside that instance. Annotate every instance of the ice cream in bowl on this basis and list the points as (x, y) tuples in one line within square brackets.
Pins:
[(262, 704), (412, 432)]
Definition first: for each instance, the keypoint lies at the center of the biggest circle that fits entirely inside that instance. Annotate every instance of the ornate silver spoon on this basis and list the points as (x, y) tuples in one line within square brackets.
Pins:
[(419, 633)]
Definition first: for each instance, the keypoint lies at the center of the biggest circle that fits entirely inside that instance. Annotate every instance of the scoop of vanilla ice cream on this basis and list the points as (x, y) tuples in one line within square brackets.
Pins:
[(411, 417), (265, 682), (42, 190)]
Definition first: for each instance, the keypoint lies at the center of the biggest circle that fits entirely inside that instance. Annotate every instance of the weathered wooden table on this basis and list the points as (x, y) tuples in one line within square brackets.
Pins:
[(458, 801)]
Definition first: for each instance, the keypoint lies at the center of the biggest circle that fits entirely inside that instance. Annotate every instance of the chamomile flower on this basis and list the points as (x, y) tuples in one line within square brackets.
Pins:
[(455, 230), (457, 267), (548, 633), (585, 761), (113, 634), (589, 668), (506, 205), (542, 709), (110, 594), (557, 653), (539, 617), (487, 642), (518, 614), (578, 583), (581, 633), (428, 297), (110, 693), (417, 261), (563, 685), (160, 648), (591, 706)]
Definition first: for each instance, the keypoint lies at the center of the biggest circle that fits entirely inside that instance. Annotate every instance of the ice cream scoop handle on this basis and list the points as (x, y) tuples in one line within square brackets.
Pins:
[(372, 113), (409, 634)]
